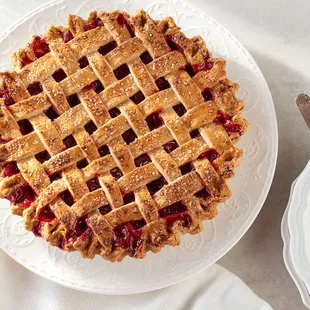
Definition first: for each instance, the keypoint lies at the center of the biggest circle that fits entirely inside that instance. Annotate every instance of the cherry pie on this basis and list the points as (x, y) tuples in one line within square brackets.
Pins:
[(118, 134)]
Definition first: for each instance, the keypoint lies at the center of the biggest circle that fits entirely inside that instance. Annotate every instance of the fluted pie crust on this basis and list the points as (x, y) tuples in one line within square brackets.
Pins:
[(118, 134)]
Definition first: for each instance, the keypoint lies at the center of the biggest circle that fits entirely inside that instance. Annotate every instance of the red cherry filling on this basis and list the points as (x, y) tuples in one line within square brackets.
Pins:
[(9, 169), (45, 215), (88, 87), (173, 44), (105, 49), (51, 113), (59, 75), (90, 127), (103, 150), (137, 97), (180, 109), (156, 185), (114, 112), (142, 160), (67, 198), (116, 173), (83, 62), (61, 243), (80, 228), (67, 36), (23, 196), (177, 207), (97, 86), (122, 20), (94, 24), (105, 209), (128, 236), (162, 83), (25, 61), (6, 95), (93, 184), (43, 156), (40, 47), (128, 198), (189, 69), (205, 66), (121, 71), (154, 120), (82, 164), (129, 136), (25, 127), (195, 133), (73, 100), (37, 229), (69, 142), (228, 123), (170, 146), (204, 193), (210, 154), (208, 94), (35, 88), (187, 168), (55, 176), (146, 58), (175, 212)]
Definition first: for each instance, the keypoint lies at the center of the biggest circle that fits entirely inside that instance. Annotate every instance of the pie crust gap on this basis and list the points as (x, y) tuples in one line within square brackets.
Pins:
[(117, 134)]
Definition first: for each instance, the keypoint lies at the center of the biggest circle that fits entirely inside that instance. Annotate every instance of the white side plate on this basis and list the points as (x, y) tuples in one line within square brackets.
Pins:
[(305, 296), (299, 226)]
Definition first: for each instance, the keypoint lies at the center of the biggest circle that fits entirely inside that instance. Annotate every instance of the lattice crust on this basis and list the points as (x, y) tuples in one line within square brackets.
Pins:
[(117, 134)]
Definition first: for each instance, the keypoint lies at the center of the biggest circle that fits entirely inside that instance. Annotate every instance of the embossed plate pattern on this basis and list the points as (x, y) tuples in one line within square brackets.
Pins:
[(249, 187)]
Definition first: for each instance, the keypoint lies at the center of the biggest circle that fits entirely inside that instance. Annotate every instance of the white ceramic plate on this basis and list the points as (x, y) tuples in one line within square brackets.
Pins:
[(250, 186), (299, 228), (304, 293)]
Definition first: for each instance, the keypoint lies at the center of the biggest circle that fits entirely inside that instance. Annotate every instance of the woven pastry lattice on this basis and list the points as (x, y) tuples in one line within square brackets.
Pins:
[(118, 134)]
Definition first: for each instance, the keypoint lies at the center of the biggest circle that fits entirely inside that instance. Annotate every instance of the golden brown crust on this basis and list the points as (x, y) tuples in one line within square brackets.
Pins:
[(99, 170)]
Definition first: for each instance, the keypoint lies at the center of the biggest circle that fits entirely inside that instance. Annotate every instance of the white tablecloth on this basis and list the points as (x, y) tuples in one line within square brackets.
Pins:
[(215, 288)]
